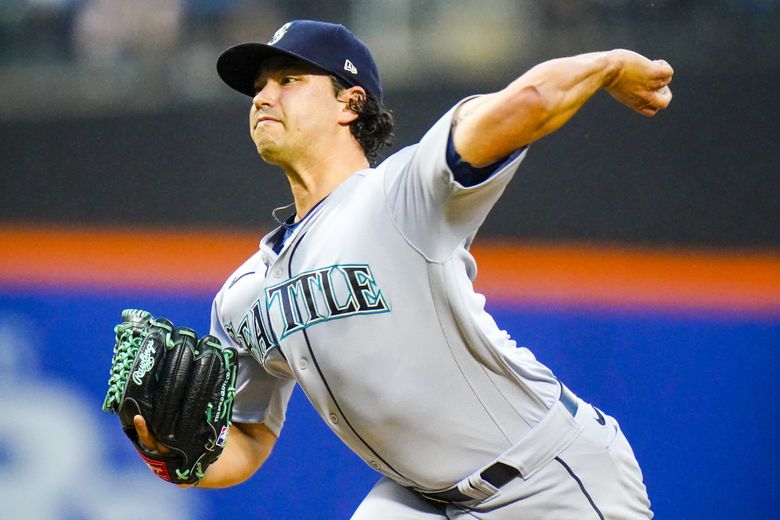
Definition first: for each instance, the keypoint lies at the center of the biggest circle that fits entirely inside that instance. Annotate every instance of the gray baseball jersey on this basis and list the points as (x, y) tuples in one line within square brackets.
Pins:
[(370, 308)]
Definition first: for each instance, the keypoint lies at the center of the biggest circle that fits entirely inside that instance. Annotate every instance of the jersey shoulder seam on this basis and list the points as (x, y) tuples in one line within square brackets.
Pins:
[(397, 227)]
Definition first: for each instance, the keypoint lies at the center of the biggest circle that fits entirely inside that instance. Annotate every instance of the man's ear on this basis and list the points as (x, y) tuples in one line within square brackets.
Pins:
[(351, 98)]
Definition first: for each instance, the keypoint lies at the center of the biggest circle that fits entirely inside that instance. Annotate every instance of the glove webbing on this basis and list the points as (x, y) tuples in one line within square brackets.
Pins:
[(125, 352)]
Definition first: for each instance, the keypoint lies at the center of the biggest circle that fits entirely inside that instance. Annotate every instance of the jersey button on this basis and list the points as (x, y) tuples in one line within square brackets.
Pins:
[(302, 363), (374, 464), (277, 273), (334, 418)]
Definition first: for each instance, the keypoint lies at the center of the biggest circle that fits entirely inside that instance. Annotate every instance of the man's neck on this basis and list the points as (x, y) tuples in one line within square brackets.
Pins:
[(312, 182)]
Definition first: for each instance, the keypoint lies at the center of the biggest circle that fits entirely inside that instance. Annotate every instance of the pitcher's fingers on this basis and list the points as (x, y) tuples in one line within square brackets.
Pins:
[(663, 97), (659, 83), (663, 69), (648, 111), (145, 437)]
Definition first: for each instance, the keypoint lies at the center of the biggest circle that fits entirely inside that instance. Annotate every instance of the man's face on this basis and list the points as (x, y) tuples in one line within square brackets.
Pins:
[(294, 108)]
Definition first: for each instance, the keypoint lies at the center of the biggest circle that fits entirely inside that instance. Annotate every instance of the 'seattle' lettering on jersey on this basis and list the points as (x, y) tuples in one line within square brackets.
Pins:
[(370, 308), (306, 299)]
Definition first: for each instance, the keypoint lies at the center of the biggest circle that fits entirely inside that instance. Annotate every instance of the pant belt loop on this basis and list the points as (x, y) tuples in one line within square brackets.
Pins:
[(568, 400)]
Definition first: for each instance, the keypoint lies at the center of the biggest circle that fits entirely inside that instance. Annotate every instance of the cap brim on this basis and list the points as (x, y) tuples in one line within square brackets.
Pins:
[(238, 66)]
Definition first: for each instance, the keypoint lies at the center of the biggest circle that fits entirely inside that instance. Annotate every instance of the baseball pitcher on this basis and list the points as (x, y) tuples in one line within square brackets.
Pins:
[(364, 298)]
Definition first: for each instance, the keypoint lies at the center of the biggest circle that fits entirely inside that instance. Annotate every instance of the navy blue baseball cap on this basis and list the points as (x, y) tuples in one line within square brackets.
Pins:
[(331, 47)]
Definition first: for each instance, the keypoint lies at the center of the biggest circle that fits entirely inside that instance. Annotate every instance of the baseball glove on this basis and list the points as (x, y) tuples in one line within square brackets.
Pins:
[(183, 387)]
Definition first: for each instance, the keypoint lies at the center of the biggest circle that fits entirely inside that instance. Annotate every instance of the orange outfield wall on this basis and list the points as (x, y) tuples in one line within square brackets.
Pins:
[(511, 272)]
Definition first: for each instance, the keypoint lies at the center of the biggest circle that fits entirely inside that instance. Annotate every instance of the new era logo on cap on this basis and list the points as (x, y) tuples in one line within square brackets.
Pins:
[(349, 67), (324, 45)]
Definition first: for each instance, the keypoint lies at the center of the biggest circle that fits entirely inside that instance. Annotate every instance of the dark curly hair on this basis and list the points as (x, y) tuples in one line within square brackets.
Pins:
[(373, 127)]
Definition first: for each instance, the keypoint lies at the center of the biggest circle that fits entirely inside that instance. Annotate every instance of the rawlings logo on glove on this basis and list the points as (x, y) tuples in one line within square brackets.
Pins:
[(182, 387)]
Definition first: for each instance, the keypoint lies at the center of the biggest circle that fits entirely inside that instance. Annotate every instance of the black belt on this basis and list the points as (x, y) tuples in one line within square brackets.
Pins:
[(498, 474)]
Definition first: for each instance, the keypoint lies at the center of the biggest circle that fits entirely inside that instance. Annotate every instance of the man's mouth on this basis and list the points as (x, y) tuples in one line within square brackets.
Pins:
[(265, 119)]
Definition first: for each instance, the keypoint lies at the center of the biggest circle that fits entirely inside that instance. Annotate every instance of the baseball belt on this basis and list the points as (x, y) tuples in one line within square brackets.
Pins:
[(498, 474)]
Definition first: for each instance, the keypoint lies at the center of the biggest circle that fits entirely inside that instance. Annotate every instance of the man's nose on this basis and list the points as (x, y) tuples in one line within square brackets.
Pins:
[(265, 96)]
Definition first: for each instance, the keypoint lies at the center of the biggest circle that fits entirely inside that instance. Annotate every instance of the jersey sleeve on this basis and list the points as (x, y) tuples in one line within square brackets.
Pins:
[(260, 397), (434, 211)]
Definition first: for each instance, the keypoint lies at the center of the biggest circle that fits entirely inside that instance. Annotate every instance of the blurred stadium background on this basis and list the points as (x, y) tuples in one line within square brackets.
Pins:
[(640, 258)]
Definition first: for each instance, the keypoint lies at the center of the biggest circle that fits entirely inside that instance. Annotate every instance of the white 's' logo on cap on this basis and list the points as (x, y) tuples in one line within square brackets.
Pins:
[(278, 35), (349, 67)]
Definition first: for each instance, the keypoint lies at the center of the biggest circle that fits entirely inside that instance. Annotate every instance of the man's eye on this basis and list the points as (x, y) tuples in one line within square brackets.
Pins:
[(289, 79)]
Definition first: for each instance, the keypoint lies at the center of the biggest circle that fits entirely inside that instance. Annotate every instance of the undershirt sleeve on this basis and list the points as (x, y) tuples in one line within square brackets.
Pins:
[(467, 175)]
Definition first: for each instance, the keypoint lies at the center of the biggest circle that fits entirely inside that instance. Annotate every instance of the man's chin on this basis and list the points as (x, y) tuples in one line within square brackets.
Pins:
[(269, 154)]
